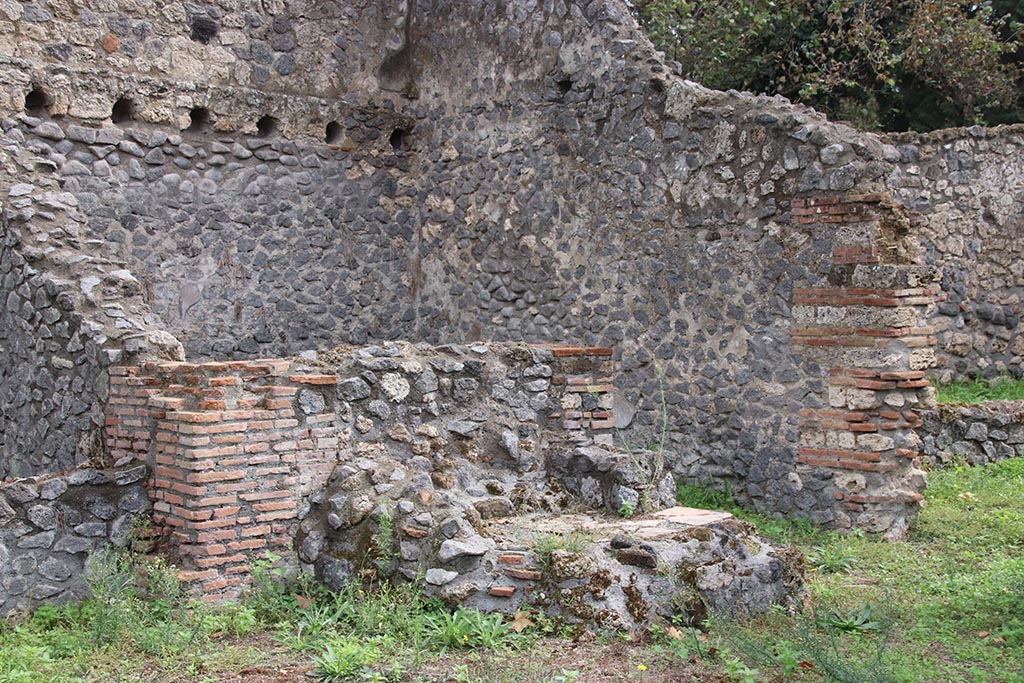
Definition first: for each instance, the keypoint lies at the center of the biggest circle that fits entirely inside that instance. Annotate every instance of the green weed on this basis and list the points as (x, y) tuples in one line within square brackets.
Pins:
[(343, 659), (276, 595), (739, 672), (468, 628), (382, 550), (705, 497), (1004, 388), (832, 559), (861, 619), (543, 546)]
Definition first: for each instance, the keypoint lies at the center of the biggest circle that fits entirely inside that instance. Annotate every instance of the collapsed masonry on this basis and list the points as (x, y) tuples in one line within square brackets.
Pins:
[(468, 469), (774, 287)]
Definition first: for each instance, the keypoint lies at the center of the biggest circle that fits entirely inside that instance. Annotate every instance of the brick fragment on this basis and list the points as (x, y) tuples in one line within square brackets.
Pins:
[(413, 532), (314, 379), (524, 574)]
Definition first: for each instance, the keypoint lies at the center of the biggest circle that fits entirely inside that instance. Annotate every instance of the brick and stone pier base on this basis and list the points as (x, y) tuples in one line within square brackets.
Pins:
[(868, 327)]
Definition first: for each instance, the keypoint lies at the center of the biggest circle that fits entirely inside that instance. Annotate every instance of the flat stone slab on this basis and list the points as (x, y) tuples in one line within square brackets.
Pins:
[(659, 525), (628, 572), (525, 530)]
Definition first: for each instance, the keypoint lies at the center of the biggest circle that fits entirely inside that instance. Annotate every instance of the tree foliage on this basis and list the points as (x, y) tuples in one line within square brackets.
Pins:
[(889, 64)]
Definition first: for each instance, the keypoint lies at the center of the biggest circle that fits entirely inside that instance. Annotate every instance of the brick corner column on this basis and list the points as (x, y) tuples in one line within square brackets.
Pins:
[(868, 328), (231, 457)]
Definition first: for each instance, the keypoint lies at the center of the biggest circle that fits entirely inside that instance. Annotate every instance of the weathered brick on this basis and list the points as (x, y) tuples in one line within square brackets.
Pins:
[(313, 379), (524, 574), (275, 403), (208, 477), (511, 558), (249, 544), (265, 495), (215, 524), (191, 576), (271, 516), (278, 505)]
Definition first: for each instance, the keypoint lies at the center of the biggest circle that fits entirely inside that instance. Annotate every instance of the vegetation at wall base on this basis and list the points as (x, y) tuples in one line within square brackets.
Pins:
[(946, 605), (981, 390)]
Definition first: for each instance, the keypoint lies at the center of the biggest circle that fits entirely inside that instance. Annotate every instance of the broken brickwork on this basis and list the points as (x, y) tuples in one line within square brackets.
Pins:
[(869, 325), (240, 448)]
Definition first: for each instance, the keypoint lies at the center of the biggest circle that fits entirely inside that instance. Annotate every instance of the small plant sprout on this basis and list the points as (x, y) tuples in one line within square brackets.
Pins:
[(833, 559), (739, 672)]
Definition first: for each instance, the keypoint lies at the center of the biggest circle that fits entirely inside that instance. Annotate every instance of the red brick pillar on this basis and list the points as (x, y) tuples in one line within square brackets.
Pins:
[(232, 458)]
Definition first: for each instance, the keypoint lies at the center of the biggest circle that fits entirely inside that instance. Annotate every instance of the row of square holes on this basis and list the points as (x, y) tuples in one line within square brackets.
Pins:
[(37, 100)]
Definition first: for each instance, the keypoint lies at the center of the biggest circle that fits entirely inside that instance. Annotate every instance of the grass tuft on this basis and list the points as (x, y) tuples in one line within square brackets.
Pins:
[(979, 391)]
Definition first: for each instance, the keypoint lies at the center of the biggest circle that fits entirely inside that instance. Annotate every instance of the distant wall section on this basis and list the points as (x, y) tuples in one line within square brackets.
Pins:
[(979, 434), (583, 194), (966, 188)]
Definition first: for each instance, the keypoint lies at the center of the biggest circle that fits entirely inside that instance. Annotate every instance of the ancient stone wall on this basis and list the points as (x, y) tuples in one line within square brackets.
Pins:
[(445, 466), (51, 385), (236, 61), (869, 325), (524, 171), (50, 525), (69, 310), (978, 435), (966, 187)]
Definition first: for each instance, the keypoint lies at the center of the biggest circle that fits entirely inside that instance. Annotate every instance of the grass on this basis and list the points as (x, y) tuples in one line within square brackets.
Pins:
[(946, 605), (979, 391)]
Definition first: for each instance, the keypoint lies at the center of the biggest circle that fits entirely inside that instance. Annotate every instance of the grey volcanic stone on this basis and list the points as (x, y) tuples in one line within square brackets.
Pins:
[(353, 389), (42, 516), (311, 402), (41, 540), (440, 577), (453, 548), (130, 476)]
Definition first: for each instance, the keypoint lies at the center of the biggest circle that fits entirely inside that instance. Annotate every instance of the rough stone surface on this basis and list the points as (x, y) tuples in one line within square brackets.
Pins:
[(978, 435), (675, 563), (965, 187), (44, 545), (514, 171), (584, 193), (459, 510)]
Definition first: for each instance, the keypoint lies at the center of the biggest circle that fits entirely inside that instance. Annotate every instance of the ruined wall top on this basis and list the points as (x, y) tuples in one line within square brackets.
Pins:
[(299, 66), (238, 60)]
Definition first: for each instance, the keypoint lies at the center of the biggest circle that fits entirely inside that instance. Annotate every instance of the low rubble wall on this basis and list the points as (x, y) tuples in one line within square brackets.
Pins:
[(243, 451), (981, 434), (50, 525)]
